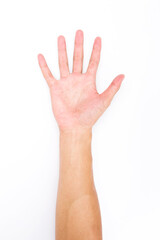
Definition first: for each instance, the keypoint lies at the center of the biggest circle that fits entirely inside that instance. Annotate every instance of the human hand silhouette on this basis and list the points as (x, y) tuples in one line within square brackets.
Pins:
[(75, 101)]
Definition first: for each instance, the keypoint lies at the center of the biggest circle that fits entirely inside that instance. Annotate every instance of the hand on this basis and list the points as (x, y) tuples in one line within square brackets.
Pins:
[(75, 100)]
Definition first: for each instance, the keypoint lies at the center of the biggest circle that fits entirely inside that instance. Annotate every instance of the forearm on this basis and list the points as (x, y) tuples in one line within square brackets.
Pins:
[(77, 211)]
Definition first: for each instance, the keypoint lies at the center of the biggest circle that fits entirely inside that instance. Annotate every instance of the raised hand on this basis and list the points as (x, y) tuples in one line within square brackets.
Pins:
[(75, 100)]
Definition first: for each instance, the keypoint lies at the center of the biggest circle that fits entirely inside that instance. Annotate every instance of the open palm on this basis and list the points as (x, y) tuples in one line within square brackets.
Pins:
[(75, 100)]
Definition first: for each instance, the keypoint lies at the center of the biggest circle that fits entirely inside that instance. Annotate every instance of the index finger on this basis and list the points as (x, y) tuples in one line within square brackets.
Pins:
[(95, 57)]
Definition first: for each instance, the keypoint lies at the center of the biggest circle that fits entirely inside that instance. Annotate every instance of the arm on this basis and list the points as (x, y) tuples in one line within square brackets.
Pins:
[(78, 214), (77, 106)]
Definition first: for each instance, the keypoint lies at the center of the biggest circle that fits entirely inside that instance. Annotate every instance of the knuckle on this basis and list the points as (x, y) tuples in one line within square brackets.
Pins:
[(92, 64), (50, 75), (77, 57), (114, 86), (63, 63), (62, 59)]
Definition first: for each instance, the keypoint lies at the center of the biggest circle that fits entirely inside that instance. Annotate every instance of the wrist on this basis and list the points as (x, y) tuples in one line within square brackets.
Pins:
[(75, 145), (77, 133)]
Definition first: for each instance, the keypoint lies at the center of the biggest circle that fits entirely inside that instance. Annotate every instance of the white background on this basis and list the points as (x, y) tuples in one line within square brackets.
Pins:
[(126, 139)]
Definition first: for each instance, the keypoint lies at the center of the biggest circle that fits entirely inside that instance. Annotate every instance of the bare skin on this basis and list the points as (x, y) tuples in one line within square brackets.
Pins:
[(77, 106)]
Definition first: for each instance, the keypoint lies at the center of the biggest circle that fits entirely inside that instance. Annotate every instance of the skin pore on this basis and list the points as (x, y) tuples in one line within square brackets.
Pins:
[(77, 105)]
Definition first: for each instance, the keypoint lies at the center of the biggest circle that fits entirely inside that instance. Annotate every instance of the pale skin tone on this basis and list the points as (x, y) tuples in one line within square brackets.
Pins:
[(77, 106)]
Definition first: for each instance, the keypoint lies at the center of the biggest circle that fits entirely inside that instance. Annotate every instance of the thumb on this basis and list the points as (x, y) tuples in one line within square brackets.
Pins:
[(107, 96)]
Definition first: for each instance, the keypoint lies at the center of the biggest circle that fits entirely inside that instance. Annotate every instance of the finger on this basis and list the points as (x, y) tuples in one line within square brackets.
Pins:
[(108, 94), (62, 56), (45, 70), (78, 52), (95, 57)]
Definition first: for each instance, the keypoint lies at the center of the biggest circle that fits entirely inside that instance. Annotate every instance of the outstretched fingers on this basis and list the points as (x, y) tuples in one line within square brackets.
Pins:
[(95, 57), (107, 96), (78, 52), (62, 57), (45, 70)]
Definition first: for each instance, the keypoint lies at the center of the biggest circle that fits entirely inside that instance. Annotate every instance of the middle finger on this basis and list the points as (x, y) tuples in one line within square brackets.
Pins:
[(78, 52)]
